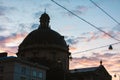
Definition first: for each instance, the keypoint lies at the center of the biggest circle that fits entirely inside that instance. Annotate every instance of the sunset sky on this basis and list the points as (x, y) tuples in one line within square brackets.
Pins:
[(20, 17)]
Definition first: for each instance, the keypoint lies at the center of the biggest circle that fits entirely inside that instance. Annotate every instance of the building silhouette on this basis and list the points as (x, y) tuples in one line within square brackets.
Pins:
[(46, 47), (13, 68), (91, 73)]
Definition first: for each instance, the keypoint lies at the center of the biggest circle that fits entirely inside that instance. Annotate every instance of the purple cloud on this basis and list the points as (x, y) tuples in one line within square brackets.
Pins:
[(4, 10), (2, 38), (107, 59), (72, 40), (34, 26), (103, 55), (82, 9), (1, 28), (37, 14)]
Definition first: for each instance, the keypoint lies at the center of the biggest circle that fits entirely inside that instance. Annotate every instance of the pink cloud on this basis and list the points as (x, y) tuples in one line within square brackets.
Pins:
[(110, 61), (11, 43), (100, 35)]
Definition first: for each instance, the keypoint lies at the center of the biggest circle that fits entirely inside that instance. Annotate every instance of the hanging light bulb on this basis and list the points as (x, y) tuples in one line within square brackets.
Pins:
[(115, 75), (110, 47)]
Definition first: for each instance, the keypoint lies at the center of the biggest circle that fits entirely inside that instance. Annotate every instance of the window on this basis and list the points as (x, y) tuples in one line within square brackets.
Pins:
[(40, 75), (23, 70), (34, 73)]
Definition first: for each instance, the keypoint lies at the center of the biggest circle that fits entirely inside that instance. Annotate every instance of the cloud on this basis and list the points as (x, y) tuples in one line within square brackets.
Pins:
[(117, 27), (72, 40), (5, 9), (2, 38), (93, 59), (72, 48), (98, 35), (85, 37), (2, 29), (2, 10), (47, 5), (10, 43), (34, 26), (83, 62), (37, 14), (110, 61), (23, 28), (82, 9), (83, 42), (88, 36), (105, 55), (78, 10), (4, 20)]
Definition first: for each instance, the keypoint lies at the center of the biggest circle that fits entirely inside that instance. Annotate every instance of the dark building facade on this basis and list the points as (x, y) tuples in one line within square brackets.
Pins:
[(46, 47), (91, 73), (13, 68)]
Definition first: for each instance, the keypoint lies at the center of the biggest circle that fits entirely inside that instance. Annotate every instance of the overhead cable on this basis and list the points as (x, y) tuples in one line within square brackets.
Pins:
[(95, 48), (104, 12), (85, 21)]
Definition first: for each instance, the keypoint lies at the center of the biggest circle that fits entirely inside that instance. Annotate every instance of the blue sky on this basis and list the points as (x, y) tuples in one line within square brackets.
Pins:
[(19, 17)]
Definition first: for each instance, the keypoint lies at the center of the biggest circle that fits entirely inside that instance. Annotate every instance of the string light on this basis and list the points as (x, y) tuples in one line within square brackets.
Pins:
[(97, 48), (110, 47)]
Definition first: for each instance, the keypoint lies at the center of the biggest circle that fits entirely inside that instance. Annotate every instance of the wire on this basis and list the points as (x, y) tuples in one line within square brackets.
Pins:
[(95, 48), (86, 21), (105, 12)]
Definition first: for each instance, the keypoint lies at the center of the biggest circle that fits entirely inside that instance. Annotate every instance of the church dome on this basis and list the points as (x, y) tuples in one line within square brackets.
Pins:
[(44, 35)]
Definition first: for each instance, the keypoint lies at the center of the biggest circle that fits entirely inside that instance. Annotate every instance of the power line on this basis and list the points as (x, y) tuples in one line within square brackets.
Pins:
[(105, 12), (95, 48), (89, 24), (85, 21)]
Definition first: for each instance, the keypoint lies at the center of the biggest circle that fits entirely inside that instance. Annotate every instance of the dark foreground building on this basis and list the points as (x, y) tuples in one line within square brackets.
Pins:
[(47, 47), (13, 68), (91, 73)]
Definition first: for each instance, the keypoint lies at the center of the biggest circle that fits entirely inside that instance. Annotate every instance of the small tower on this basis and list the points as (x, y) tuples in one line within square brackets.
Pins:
[(100, 62), (44, 20)]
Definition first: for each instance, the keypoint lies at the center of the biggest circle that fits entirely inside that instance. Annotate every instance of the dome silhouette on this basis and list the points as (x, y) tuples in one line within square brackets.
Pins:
[(44, 35)]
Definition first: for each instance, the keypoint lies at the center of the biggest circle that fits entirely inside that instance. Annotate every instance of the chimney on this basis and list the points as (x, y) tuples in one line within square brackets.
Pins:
[(3, 54)]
